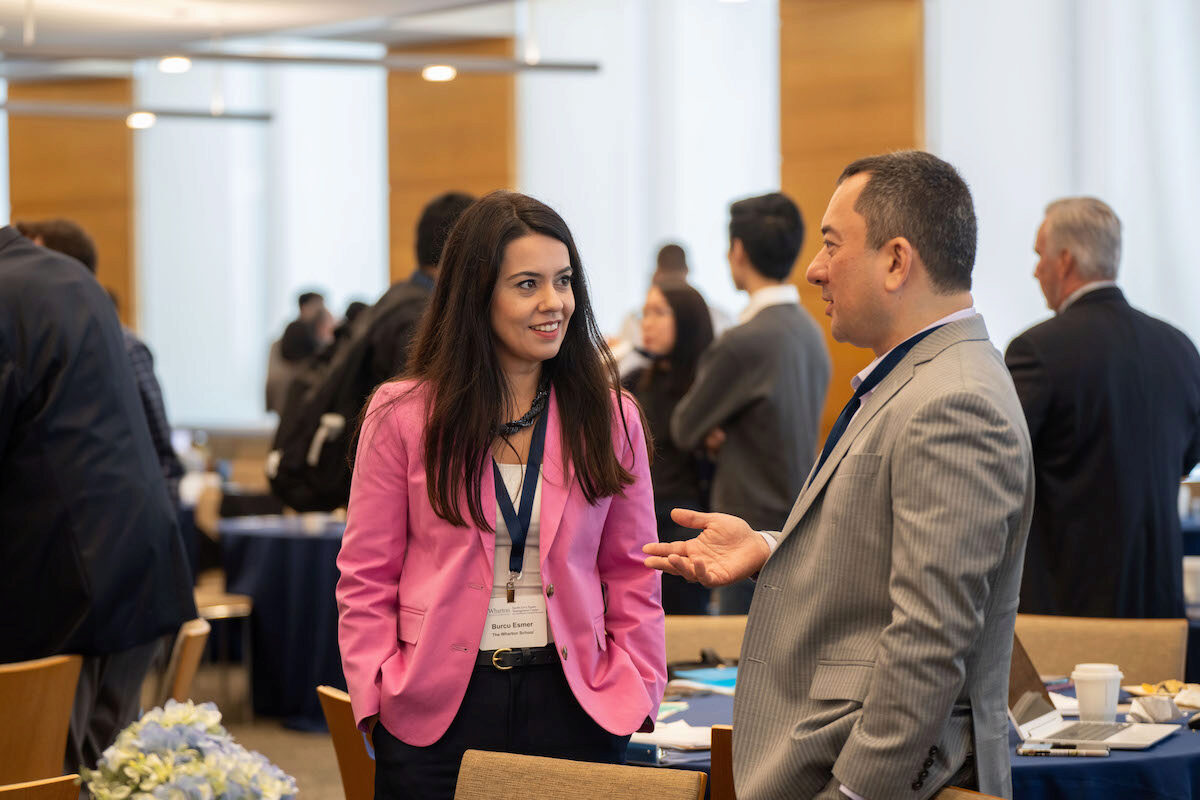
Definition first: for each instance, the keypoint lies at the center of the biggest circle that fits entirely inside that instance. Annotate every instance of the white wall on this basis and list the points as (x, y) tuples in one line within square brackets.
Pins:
[(1038, 99), (235, 218), (682, 119)]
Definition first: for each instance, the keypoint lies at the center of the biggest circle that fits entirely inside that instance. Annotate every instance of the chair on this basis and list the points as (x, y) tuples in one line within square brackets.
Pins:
[(60, 788), (35, 712), (687, 635), (214, 603), (721, 754), (355, 765), (176, 682), (1146, 650), (507, 776)]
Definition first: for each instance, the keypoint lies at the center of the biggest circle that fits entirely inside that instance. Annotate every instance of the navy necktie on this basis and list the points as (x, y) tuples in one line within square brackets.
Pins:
[(878, 374)]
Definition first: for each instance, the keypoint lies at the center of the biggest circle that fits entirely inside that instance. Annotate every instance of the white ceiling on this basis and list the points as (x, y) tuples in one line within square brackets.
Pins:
[(116, 26)]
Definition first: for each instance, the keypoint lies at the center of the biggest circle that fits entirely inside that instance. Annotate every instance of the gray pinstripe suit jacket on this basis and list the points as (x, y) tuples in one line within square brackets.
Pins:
[(877, 649)]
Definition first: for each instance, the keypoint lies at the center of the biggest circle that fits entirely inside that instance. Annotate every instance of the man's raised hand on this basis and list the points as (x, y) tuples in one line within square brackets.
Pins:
[(726, 551)]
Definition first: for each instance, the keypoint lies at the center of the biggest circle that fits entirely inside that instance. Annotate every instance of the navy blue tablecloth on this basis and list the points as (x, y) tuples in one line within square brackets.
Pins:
[(1191, 535), (1170, 770), (290, 571)]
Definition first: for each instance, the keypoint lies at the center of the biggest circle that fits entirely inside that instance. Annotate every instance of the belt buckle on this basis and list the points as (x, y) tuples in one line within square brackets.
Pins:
[(496, 657)]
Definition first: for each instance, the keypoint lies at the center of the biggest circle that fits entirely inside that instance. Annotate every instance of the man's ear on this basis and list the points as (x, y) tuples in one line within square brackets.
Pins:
[(901, 258), (737, 251)]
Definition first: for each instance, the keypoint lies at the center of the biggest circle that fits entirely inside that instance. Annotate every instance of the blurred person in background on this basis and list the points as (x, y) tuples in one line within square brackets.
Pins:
[(670, 267), (68, 238), (676, 329), (492, 593), (759, 389), (283, 367), (1112, 399), (398, 312), (91, 559)]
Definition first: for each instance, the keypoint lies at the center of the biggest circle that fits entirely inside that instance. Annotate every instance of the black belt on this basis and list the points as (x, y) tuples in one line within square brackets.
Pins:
[(509, 657)]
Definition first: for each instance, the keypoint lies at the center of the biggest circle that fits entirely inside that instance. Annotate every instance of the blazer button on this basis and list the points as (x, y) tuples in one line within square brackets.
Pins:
[(550, 590), (928, 763), (923, 774), (564, 652), (917, 785), (933, 751)]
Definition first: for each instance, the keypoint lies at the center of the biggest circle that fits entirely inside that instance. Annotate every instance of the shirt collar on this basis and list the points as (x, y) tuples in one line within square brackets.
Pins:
[(862, 376), (782, 294), (1081, 291)]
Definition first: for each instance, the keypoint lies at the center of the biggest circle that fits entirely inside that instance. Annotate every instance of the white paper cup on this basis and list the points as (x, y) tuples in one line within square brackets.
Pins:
[(1097, 686)]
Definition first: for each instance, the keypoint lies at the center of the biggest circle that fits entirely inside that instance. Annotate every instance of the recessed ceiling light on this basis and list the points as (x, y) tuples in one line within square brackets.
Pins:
[(174, 64), (439, 73), (140, 120)]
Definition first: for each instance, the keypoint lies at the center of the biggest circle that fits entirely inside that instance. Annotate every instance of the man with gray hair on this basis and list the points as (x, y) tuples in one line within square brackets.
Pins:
[(1112, 399)]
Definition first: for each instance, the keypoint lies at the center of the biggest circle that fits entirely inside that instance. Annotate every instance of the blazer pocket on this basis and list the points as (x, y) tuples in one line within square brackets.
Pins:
[(859, 464), (409, 624), (601, 636), (841, 680)]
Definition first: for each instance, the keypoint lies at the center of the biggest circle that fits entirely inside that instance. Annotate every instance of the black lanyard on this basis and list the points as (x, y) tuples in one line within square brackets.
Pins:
[(518, 524)]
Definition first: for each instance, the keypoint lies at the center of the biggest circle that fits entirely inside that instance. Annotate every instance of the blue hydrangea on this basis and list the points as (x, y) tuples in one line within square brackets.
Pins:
[(181, 752)]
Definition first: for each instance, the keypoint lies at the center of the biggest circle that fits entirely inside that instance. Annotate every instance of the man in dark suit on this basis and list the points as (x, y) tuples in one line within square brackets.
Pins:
[(760, 387), (397, 313), (91, 560), (1112, 398)]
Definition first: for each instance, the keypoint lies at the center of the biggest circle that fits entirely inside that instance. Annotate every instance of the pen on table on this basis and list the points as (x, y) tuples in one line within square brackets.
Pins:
[(1063, 751)]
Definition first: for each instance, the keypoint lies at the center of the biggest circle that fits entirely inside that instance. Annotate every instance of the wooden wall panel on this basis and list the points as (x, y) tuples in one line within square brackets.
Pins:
[(850, 86), (454, 136), (81, 169)]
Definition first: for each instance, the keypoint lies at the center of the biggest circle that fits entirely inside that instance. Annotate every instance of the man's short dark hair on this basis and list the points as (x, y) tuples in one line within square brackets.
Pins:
[(437, 218), (672, 259), (63, 236), (309, 297), (771, 231), (918, 196)]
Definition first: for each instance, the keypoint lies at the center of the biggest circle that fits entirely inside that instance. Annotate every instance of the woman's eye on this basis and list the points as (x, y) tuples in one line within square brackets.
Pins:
[(564, 281), (526, 284)]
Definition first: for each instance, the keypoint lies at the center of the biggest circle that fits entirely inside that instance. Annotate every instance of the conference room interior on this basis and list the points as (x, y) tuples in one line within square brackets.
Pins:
[(227, 157)]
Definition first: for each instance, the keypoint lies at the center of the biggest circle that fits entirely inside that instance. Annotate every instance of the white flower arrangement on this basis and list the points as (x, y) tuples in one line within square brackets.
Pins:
[(181, 752)]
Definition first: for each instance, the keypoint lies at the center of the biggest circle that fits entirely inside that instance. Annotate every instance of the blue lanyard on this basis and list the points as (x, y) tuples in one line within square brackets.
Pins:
[(518, 524)]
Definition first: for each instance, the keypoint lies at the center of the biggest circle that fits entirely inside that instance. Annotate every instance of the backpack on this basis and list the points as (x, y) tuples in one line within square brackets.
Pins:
[(309, 464)]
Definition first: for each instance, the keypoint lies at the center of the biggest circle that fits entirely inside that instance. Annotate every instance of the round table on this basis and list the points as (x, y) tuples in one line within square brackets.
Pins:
[(1170, 770), (288, 566)]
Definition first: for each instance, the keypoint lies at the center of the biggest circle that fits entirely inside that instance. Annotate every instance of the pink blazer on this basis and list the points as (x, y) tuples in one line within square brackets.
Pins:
[(414, 589)]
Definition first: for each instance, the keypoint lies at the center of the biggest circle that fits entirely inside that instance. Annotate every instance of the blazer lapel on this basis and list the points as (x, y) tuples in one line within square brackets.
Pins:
[(935, 343), (557, 476)]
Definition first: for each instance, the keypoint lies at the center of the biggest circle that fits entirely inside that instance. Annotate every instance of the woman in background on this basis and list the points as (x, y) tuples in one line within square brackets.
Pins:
[(676, 329), (493, 594)]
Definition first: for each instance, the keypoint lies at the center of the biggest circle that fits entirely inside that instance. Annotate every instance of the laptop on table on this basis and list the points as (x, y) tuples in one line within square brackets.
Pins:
[(1037, 720)]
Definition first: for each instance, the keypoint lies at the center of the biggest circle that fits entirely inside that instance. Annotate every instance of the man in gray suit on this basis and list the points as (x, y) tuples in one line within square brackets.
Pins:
[(875, 663), (759, 389)]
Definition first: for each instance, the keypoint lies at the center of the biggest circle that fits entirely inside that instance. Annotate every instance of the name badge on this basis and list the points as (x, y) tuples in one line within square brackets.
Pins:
[(518, 624)]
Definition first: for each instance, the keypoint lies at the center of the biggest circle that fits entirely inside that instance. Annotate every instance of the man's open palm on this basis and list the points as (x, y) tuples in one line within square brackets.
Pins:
[(726, 551)]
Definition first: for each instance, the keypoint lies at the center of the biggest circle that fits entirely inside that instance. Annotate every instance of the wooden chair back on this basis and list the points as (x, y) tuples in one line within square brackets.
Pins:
[(955, 793), (1146, 650), (60, 788), (721, 774), (35, 712), (185, 660), (507, 776), (687, 635), (357, 768)]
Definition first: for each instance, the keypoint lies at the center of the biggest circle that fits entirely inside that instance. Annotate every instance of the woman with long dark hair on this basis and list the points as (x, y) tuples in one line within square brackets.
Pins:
[(676, 329), (493, 594)]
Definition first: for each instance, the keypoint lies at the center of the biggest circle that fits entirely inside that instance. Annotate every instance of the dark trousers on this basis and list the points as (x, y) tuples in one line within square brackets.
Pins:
[(679, 596), (528, 710), (107, 698)]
